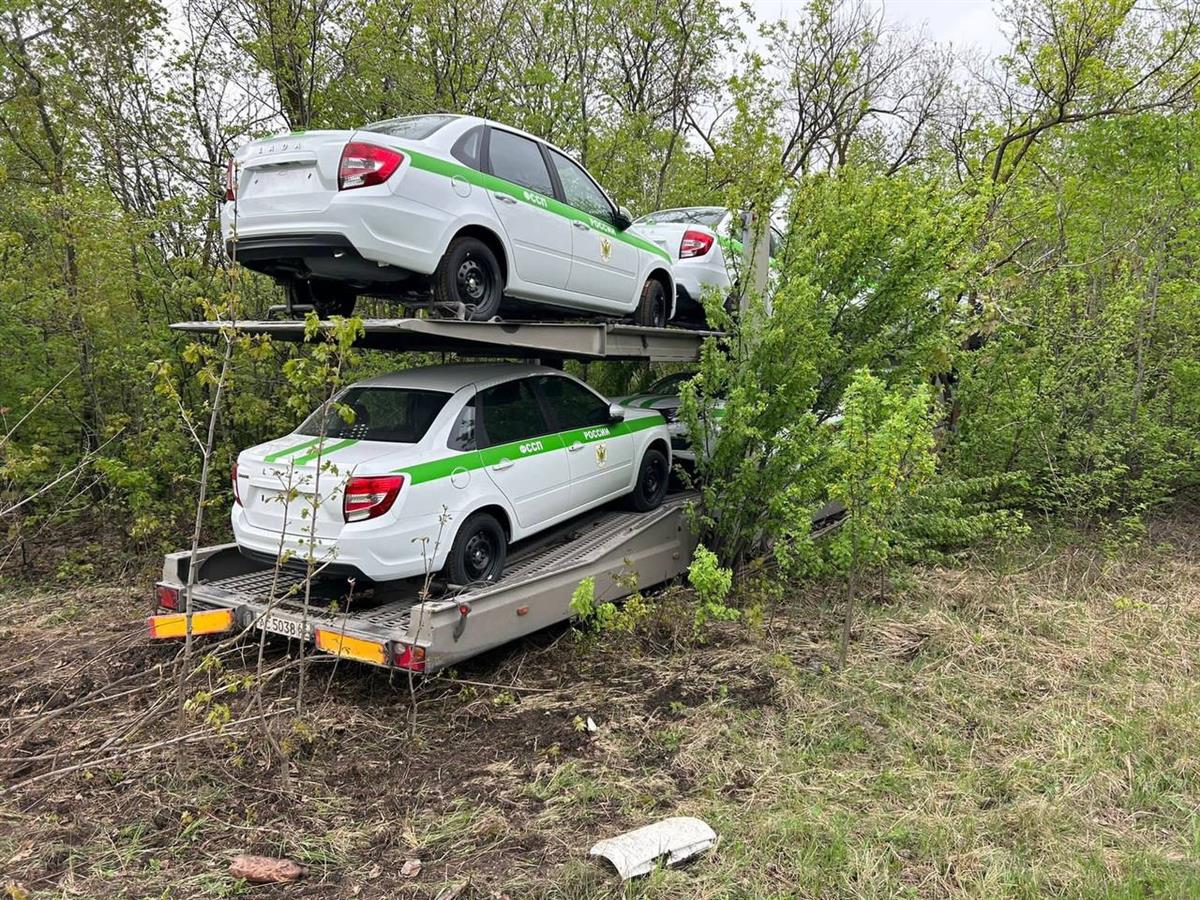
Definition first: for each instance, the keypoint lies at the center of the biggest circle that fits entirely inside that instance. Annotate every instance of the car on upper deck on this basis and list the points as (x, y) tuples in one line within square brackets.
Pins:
[(438, 469), (466, 214), (706, 253)]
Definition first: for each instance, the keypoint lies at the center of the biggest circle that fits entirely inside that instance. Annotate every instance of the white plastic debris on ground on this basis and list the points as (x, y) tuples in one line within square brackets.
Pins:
[(671, 840)]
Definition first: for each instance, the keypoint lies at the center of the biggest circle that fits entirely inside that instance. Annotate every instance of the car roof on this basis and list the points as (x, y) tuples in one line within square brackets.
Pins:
[(454, 376)]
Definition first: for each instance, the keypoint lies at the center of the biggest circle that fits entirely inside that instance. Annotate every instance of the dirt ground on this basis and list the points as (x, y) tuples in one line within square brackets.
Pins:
[(1022, 723)]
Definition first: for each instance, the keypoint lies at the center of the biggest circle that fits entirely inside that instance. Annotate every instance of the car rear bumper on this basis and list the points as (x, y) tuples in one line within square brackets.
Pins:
[(359, 237), (378, 550), (328, 255), (692, 278)]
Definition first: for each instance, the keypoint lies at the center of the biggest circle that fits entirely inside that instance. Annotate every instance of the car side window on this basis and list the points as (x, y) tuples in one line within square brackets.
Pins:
[(510, 412), (462, 436), (466, 148), (518, 159), (579, 190), (571, 404)]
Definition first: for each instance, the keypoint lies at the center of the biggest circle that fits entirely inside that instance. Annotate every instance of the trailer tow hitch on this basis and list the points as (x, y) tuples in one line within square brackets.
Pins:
[(464, 610)]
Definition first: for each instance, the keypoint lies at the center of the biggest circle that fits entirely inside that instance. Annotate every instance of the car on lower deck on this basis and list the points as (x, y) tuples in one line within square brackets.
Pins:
[(663, 397), (439, 469), (707, 255), (466, 214)]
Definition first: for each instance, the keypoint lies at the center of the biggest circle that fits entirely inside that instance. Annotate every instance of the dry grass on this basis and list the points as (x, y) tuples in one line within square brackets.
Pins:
[(1024, 724)]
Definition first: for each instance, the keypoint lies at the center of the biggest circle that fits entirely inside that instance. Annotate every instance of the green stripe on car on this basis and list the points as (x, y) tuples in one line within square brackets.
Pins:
[(324, 451), (422, 473), (280, 454), (488, 182)]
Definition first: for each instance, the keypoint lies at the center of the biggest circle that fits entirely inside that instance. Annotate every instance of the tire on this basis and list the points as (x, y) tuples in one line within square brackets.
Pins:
[(652, 307), (652, 479), (325, 297), (469, 274), (331, 299), (478, 551)]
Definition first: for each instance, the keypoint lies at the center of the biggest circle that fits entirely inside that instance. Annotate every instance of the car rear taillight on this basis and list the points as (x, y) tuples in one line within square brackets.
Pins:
[(365, 164), (166, 596), (230, 181), (370, 496), (237, 497), (695, 243)]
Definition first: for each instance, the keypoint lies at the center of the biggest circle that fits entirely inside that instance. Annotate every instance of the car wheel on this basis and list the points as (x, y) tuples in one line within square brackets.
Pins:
[(652, 308), (469, 275), (330, 299), (326, 298), (651, 487), (478, 551)]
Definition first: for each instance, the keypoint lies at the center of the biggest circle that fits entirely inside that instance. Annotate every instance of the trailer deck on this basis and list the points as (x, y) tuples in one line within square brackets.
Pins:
[(516, 339), (391, 625)]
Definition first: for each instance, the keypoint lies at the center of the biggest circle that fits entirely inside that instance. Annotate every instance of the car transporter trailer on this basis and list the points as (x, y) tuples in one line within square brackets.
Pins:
[(399, 625)]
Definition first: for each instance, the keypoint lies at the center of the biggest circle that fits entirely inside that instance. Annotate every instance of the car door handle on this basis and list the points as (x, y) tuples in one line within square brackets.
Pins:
[(580, 225), (502, 465), (504, 198), (578, 445)]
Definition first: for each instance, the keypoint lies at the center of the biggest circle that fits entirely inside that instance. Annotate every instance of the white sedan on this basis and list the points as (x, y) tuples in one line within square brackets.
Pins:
[(707, 254), (464, 212), (438, 469)]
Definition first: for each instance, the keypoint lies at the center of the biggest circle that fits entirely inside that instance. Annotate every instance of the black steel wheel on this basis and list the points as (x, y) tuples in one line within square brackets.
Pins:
[(652, 480), (332, 299), (652, 308), (327, 298), (469, 276), (478, 552)]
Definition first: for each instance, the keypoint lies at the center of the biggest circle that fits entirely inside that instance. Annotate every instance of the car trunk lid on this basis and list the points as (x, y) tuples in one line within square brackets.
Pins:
[(296, 484), (290, 173)]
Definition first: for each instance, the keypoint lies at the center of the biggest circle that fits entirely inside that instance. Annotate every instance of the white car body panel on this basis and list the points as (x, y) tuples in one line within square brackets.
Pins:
[(554, 253), (534, 483), (695, 275)]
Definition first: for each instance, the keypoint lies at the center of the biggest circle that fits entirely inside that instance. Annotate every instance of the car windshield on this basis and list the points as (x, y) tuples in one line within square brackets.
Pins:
[(708, 216), (414, 128), (393, 415)]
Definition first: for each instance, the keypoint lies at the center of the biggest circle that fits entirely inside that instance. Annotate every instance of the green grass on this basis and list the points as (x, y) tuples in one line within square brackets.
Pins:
[(1025, 724)]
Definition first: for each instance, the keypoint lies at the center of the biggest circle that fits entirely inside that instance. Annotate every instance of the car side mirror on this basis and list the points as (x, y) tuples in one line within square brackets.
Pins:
[(622, 219), (616, 413)]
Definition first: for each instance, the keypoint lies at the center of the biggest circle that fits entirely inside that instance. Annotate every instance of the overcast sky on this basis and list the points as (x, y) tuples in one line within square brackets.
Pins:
[(964, 23)]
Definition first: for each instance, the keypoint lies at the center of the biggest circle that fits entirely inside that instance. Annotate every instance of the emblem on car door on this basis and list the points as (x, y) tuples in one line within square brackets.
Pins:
[(601, 454), (605, 249)]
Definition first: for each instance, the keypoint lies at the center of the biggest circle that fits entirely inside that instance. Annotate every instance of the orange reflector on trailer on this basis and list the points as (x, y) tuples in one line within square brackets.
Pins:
[(174, 625), (351, 647)]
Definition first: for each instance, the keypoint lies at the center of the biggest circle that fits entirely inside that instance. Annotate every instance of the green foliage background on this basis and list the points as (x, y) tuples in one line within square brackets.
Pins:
[(1008, 255)]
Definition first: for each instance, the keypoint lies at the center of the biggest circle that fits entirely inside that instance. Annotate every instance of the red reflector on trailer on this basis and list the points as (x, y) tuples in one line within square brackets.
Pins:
[(406, 656), (166, 596)]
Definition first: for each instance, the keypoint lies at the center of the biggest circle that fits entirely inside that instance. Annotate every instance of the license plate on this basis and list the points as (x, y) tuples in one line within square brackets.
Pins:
[(287, 627), (290, 180)]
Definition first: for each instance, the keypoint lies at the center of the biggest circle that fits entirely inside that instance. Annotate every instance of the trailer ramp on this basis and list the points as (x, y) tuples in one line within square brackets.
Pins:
[(391, 625)]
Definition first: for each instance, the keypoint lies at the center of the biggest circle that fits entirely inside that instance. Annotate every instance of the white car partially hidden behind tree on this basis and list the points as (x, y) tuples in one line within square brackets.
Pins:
[(707, 254)]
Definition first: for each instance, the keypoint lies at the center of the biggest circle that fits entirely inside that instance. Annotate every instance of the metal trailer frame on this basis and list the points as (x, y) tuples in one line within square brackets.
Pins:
[(525, 340), (390, 625)]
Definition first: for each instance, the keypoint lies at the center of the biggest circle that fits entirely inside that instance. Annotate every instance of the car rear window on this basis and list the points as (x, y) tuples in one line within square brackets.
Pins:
[(392, 415), (709, 217), (413, 128)]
